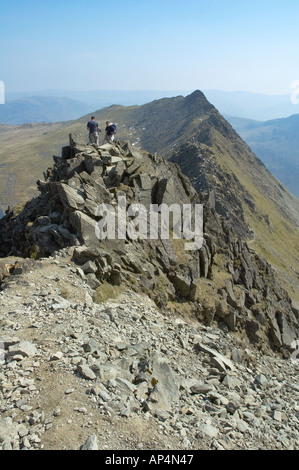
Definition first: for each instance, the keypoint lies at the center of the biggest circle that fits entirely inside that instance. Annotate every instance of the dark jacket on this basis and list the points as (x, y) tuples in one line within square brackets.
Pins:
[(110, 130)]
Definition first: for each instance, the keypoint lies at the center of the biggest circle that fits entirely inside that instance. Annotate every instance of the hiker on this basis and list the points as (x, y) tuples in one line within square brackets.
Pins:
[(94, 130), (110, 131)]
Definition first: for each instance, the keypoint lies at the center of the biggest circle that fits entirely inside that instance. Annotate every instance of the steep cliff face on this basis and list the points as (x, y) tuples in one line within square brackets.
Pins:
[(224, 281), (209, 179)]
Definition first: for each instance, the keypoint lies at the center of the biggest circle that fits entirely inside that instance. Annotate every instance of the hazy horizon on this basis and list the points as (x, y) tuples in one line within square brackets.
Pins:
[(60, 105), (123, 90)]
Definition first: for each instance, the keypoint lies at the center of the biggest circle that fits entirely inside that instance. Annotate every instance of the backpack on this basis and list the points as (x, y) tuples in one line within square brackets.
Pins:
[(114, 127)]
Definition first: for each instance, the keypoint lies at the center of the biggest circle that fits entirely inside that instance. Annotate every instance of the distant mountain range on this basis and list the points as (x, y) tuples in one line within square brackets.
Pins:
[(61, 105), (102, 98), (276, 143), (41, 109), (255, 106), (64, 105)]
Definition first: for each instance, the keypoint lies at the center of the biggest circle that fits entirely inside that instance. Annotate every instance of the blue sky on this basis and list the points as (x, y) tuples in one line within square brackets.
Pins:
[(250, 45)]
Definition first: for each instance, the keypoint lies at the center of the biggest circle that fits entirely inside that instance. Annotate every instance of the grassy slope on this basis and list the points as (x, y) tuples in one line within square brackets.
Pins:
[(277, 240), (25, 152)]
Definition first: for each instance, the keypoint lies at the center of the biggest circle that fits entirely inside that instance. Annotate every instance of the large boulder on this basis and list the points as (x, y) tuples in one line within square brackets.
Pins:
[(84, 226)]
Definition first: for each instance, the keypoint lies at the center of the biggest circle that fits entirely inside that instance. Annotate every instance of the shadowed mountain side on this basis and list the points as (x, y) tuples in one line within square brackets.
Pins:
[(245, 192)]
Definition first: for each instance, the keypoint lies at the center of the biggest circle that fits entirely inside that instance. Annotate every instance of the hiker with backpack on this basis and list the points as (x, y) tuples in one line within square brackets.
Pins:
[(110, 132)]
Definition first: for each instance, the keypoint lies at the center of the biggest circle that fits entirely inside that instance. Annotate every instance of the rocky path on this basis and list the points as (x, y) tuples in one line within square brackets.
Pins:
[(123, 375)]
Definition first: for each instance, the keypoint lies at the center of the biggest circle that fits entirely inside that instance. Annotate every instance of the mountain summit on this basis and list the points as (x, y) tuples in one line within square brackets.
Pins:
[(192, 133)]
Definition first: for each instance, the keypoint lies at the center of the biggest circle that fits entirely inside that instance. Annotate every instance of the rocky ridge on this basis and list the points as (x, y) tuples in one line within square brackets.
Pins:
[(224, 282), (196, 345), (247, 195), (123, 375)]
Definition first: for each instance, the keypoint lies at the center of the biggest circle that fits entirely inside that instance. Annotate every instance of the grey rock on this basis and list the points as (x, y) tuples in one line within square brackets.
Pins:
[(85, 227), (252, 328), (57, 356), (275, 333), (232, 407), (93, 162), (89, 267), (86, 372), (158, 399), (183, 284), (201, 388), (7, 341), (8, 430), (108, 371), (104, 396), (261, 381), (70, 197), (165, 377), (43, 220), (90, 346), (227, 362), (288, 334), (218, 363), (91, 443), (242, 426), (161, 415), (135, 165), (125, 386), (209, 431), (23, 349), (142, 391)]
